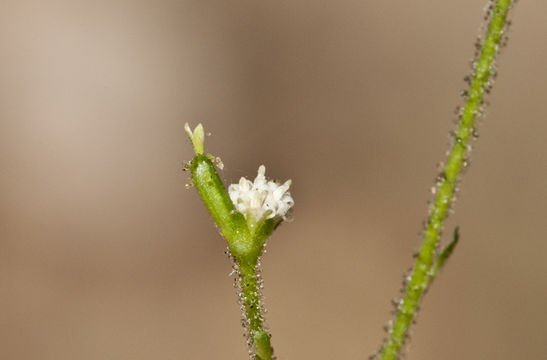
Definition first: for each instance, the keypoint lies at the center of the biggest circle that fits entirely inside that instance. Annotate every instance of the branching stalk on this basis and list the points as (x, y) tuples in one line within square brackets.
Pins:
[(245, 238)]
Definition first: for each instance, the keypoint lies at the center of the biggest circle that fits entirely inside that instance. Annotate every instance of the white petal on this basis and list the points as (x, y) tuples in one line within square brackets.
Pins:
[(261, 198)]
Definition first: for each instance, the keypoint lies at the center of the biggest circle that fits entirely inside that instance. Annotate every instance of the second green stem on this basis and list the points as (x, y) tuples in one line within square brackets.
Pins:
[(420, 277)]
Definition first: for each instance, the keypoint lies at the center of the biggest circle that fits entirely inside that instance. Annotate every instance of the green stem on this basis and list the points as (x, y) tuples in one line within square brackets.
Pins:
[(250, 289), (420, 278)]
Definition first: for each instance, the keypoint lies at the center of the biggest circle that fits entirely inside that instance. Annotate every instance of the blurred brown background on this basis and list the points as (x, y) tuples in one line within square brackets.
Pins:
[(105, 255)]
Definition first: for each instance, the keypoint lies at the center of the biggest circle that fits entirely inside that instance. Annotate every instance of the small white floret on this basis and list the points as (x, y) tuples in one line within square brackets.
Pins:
[(262, 198)]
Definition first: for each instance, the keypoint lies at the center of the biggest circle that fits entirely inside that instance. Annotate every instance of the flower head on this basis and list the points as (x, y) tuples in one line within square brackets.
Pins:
[(262, 198)]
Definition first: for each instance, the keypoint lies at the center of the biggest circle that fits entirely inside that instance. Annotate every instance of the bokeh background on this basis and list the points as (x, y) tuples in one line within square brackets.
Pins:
[(105, 255)]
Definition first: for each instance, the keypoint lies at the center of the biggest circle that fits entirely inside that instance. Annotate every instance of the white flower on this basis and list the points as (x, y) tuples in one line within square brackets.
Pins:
[(262, 198)]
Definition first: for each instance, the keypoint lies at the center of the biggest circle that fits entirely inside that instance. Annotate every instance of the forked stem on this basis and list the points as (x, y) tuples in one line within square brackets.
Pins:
[(246, 240)]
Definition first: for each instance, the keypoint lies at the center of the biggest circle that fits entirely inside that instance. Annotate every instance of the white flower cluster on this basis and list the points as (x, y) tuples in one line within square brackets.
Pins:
[(262, 198)]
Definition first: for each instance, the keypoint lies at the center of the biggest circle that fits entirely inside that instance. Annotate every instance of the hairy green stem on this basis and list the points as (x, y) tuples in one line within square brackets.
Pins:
[(250, 288), (420, 277)]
